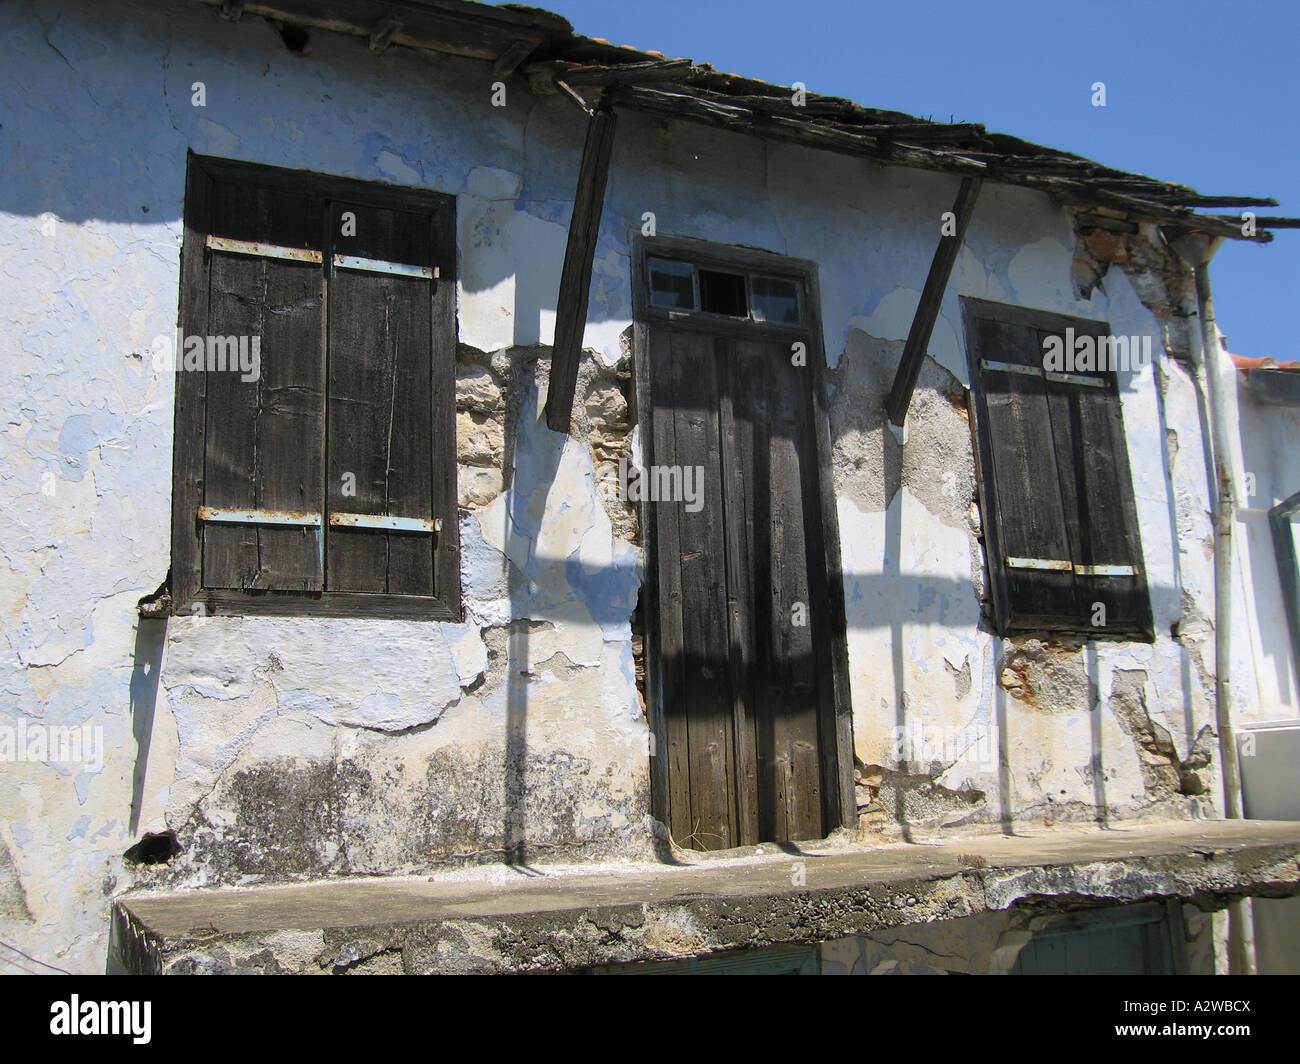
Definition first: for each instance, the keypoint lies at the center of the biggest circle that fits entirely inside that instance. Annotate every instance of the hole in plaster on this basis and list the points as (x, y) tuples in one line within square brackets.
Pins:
[(295, 38), (154, 847)]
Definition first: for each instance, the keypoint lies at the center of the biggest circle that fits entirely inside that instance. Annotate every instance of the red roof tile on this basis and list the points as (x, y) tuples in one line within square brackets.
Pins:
[(1246, 364)]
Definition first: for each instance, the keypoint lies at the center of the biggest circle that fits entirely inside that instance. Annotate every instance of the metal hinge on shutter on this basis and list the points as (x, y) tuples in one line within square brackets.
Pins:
[(1105, 570), (1060, 565), (1039, 563), (284, 518), (307, 519), (341, 262), (386, 523), (229, 515), (1075, 378), (397, 269), (269, 251), (989, 365)]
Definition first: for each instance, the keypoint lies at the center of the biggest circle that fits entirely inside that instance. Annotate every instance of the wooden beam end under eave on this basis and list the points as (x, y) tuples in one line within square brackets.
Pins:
[(927, 310), (575, 278)]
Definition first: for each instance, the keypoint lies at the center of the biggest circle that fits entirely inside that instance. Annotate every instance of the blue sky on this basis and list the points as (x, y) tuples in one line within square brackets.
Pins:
[(1205, 94)]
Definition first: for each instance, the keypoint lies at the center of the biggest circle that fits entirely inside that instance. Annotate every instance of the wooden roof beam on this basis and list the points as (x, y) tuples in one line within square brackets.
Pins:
[(1267, 221), (630, 73), (808, 134), (927, 310), (575, 277), (508, 61), (1226, 201), (477, 31), (1084, 194)]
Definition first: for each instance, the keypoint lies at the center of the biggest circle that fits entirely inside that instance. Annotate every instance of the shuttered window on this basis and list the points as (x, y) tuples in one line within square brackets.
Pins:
[(1060, 523), (315, 383)]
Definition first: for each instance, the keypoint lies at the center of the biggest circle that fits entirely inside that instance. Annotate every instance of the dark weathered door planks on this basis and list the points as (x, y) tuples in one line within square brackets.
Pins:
[(672, 745), (743, 699), (775, 399), (704, 589), (741, 496)]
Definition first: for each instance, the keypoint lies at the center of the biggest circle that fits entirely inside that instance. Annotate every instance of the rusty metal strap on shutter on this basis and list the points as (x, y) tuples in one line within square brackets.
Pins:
[(299, 518), (1075, 378), (1038, 563), (342, 262), (386, 523), (992, 366), (303, 519), (271, 251), (1105, 570), (1060, 565), (398, 269)]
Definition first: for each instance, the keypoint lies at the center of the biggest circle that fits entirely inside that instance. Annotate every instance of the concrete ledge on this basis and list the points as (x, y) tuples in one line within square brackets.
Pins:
[(504, 920)]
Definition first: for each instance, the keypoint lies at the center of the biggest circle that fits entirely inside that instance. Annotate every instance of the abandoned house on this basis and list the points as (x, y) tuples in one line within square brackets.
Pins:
[(482, 498)]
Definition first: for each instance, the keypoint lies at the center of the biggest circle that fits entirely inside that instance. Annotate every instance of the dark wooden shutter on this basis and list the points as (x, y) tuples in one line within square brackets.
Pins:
[(381, 422), (254, 491), (1030, 522), (263, 438), (1056, 483), (1097, 494)]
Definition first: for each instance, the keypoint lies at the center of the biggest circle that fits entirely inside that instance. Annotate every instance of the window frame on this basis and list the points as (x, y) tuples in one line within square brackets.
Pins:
[(1005, 623), (745, 261), (189, 597)]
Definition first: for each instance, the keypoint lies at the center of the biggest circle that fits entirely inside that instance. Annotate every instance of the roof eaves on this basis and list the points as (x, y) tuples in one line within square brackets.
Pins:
[(542, 46)]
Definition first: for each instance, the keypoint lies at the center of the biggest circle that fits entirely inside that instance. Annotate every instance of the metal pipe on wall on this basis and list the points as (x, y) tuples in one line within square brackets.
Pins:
[(1198, 250)]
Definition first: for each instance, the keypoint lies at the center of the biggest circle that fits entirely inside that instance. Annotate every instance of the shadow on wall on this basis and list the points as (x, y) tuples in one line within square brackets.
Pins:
[(76, 159), (150, 638), (533, 475)]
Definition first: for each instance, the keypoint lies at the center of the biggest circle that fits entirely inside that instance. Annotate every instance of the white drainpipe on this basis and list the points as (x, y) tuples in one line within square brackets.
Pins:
[(1198, 250)]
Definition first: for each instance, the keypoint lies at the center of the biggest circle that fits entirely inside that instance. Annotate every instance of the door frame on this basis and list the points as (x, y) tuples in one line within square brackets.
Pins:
[(835, 710)]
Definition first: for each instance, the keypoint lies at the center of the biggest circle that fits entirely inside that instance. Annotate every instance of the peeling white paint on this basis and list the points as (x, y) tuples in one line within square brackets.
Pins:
[(543, 663)]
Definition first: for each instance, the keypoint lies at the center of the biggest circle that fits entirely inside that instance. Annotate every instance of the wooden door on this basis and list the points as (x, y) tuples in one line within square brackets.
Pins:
[(742, 607)]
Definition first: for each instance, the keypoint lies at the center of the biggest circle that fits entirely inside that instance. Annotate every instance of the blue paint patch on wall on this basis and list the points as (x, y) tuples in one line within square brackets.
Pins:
[(77, 438), (627, 663), (609, 594), (390, 159)]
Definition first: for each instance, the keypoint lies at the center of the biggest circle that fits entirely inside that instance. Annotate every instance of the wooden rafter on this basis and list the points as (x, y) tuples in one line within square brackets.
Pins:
[(544, 47), (575, 277), (927, 310)]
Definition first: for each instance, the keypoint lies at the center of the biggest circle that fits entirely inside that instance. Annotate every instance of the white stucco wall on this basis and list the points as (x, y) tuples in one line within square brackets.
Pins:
[(1265, 438), (411, 728)]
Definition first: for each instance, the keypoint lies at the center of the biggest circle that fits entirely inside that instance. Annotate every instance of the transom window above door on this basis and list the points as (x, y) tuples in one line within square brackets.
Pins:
[(770, 299)]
